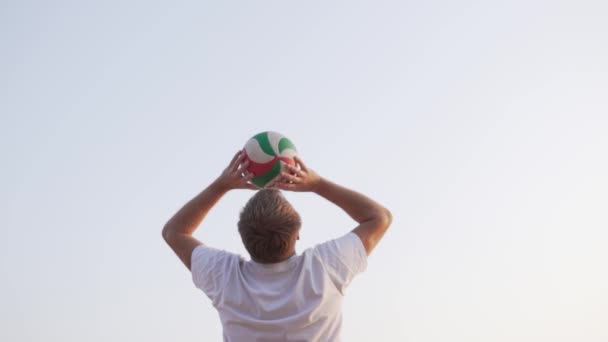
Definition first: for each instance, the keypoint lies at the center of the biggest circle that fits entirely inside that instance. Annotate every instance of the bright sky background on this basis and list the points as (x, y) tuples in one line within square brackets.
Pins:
[(481, 125)]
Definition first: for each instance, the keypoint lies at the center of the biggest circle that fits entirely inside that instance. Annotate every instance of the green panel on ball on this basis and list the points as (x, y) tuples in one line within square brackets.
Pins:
[(284, 144), (261, 180), (262, 139)]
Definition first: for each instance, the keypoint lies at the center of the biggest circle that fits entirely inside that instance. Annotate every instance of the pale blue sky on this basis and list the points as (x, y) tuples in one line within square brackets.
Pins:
[(481, 125)]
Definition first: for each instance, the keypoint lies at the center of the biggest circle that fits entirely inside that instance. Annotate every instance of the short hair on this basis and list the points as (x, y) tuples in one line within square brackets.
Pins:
[(269, 226)]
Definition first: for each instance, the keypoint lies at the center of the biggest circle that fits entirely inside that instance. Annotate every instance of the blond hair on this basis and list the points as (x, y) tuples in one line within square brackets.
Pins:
[(269, 226)]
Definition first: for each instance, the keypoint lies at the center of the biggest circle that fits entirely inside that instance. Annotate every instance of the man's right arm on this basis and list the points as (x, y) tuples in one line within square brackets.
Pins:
[(373, 218)]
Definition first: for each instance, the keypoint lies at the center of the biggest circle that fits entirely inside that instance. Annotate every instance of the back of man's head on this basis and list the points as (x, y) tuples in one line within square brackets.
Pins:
[(269, 226)]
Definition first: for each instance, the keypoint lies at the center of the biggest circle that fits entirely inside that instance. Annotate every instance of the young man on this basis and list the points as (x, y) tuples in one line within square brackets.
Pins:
[(277, 295)]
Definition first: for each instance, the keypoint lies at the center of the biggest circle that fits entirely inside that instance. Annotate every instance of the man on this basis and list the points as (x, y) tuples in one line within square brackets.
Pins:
[(277, 295)]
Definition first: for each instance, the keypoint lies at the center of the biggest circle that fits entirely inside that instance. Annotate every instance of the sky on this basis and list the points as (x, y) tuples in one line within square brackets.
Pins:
[(481, 125)]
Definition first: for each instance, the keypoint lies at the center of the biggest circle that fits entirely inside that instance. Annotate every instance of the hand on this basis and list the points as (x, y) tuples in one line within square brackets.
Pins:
[(236, 176), (299, 179)]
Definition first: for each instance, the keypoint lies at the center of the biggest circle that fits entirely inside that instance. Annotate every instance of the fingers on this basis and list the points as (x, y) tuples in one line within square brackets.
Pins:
[(234, 160), (294, 179), (236, 176), (246, 184), (296, 171), (250, 186), (242, 162), (245, 181), (291, 178), (300, 163), (285, 186), (239, 161), (247, 176), (243, 166)]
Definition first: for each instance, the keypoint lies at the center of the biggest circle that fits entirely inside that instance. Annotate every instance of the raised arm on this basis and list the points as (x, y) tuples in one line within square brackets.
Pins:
[(178, 231), (373, 218)]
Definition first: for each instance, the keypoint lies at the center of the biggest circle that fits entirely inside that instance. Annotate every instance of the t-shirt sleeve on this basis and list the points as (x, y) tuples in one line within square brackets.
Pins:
[(211, 268), (343, 259)]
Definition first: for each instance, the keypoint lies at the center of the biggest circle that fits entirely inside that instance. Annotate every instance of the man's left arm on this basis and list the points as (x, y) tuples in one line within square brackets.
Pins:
[(178, 231)]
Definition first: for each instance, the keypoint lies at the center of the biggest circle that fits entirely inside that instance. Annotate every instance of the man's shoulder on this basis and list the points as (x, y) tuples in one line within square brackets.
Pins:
[(202, 252), (345, 249), (349, 241), (209, 260), (341, 258), (212, 268)]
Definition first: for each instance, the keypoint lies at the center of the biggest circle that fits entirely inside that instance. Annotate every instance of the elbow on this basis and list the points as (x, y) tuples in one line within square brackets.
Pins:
[(386, 217), (382, 216), (166, 233)]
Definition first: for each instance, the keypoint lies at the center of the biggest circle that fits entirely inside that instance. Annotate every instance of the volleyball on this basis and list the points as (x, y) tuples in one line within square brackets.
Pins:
[(268, 153)]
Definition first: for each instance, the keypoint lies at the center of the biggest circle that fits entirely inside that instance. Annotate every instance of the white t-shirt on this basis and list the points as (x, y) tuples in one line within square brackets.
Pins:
[(299, 299)]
